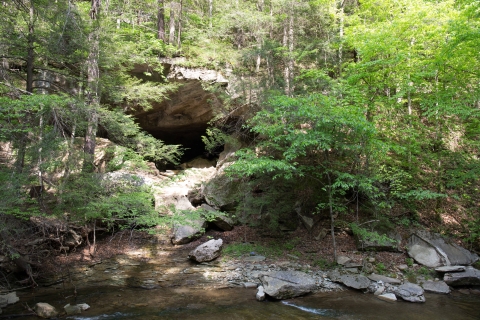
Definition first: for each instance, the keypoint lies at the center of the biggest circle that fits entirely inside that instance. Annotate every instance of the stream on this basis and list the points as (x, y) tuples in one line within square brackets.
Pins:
[(239, 303)]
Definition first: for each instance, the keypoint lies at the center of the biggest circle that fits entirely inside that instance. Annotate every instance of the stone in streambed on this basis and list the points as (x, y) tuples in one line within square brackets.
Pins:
[(44, 310), (287, 284), (410, 292), (436, 287), (207, 251), (260, 294), (390, 297)]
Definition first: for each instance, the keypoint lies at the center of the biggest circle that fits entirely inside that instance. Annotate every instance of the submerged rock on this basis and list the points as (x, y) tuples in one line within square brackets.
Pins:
[(44, 310), (207, 251), (6, 299), (469, 277), (410, 292), (287, 284)]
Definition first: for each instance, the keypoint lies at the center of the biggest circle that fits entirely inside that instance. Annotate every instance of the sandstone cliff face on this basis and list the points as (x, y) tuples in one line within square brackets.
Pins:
[(184, 116)]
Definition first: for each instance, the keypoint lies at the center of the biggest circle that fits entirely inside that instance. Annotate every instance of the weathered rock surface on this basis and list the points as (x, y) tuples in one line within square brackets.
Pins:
[(469, 277), (260, 294), (431, 250), (287, 284), (207, 251), (436, 287), (222, 220), (342, 260), (377, 277), (183, 234), (76, 308), (390, 297), (44, 310), (410, 292), (6, 299), (184, 116), (446, 269), (355, 281), (220, 191)]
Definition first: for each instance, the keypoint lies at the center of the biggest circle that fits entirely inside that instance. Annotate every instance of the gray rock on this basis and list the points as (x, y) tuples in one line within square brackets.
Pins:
[(377, 277), (249, 285), (390, 297), (287, 284), (207, 251), (410, 292), (431, 250), (221, 220), (72, 310), (343, 260), (355, 281), (446, 269), (436, 287), (6, 299), (260, 294), (379, 291), (44, 310), (402, 267), (469, 277), (183, 234)]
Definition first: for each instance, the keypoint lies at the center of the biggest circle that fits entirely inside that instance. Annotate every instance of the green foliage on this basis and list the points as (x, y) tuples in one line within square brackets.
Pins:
[(371, 236)]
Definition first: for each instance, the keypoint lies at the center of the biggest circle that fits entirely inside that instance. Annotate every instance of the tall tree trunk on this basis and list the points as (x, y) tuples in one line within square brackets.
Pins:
[(30, 48), (93, 89), (171, 38), (341, 35), (161, 20), (210, 13), (288, 37), (179, 41)]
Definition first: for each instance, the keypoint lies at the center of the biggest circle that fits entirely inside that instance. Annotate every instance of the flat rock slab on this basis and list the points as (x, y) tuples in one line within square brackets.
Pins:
[(432, 250), (446, 269), (469, 277), (355, 281), (287, 284), (410, 292), (254, 259), (390, 297), (377, 277), (436, 287)]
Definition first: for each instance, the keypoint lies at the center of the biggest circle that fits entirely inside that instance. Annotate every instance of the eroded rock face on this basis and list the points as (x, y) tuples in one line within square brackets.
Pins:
[(207, 251), (436, 287), (287, 284), (184, 116), (431, 250)]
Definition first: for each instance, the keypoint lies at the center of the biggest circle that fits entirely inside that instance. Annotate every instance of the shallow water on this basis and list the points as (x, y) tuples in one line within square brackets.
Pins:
[(236, 303)]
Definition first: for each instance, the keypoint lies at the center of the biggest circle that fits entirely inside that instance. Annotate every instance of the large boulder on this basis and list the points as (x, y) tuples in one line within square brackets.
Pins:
[(355, 281), (436, 287), (410, 292), (221, 191), (220, 219), (191, 230), (287, 284), (431, 250), (207, 251), (44, 310), (469, 277)]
